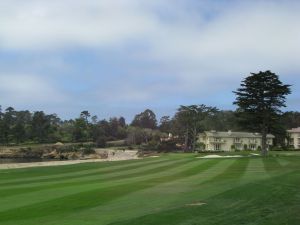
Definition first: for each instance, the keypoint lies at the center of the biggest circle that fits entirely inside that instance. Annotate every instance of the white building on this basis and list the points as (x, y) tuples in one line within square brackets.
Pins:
[(230, 141), (294, 138)]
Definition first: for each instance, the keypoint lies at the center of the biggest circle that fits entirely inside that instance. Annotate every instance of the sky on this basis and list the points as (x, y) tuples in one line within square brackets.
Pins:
[(119, 57)]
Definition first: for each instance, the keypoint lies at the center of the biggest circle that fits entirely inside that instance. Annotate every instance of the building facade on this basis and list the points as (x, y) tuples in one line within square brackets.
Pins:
[(294, 138), (230, 141)]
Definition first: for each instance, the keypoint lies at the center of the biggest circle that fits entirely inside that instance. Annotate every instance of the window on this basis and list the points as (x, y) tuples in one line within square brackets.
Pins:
[(217, 147), (252, 147), (237, 140), (217, 139)]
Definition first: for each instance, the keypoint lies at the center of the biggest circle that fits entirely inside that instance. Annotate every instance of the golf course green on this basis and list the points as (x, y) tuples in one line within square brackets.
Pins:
[(170, 189)]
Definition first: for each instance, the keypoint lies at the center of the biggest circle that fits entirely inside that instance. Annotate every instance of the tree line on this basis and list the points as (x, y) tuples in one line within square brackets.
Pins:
[(18, 127), (258, 101)]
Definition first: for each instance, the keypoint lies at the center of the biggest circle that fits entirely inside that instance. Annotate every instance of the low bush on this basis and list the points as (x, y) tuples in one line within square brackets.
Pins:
[(101, 142), (165, 146), (119, 143)]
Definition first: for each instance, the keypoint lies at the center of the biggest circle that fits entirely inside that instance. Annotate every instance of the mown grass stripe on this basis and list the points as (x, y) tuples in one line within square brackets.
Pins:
[(162, 195), (252, 203), (255, 169), (11, 174), (86, 173), (113, 175), (92, 198), (39, 196), (271, 164), (146, 199), (234, 172)]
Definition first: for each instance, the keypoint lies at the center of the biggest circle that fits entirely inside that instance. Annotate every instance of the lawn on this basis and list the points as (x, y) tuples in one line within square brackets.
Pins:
[(172, 189)]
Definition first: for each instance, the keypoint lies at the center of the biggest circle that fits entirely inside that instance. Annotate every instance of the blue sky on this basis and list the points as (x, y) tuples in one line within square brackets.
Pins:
[(120, 57)]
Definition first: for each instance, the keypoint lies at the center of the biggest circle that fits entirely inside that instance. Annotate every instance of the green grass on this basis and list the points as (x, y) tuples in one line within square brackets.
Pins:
[(251, 190)]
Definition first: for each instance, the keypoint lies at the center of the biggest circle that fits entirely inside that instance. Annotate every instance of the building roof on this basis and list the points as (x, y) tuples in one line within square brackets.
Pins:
[(235, 134), (294, 130)]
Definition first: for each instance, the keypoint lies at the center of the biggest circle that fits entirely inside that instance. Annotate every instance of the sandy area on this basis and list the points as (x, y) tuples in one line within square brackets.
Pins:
[(220, 156), (196, 204), (113, 155), (53, 163)]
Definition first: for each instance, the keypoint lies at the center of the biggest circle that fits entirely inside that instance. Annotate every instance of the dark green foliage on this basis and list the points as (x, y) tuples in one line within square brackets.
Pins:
[(165, 124), (167, 146), (146, 119), (291, 119), (80, 132), (223, 120), (189, 122), (259, 100), (101, 142), (18, 127)]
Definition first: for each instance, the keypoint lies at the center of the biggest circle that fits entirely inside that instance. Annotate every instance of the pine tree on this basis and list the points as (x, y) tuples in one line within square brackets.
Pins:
[(259, 100)]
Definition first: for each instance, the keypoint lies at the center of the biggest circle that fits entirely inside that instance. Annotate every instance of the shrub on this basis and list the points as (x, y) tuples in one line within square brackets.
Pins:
[(167, 146), (101, 142), (88, 151), (199, 146), (118, 143)]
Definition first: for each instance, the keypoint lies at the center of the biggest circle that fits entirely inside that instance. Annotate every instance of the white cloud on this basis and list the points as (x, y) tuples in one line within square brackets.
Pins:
[(17, 89), (47, 24), (199, 47), (246, 36)]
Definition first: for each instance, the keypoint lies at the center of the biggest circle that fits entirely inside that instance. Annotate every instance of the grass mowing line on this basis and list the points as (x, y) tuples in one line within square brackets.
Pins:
[(39, 196), (214, 175), (210, 170), (89, 199), (255, 169), (271, 165), (112, 168), (241, 210), (262, 200), (53, 170), (80, 176), (283, 162), (253, 203), (145, 170), (235, 171), (145, 201)]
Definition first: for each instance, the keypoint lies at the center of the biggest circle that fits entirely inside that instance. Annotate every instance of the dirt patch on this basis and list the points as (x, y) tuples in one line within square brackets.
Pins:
[(56, 163), (196, 204), (111, 155)]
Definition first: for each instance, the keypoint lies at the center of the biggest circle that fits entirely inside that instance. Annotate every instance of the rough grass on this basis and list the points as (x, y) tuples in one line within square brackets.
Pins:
[(173, 189)]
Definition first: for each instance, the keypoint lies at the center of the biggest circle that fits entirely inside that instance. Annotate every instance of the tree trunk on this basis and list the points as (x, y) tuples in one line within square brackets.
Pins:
[(264, 141), (186, 140), (194, 138)]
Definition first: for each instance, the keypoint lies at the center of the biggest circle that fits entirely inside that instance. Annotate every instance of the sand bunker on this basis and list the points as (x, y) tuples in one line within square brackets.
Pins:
[(220, 156), (56, 163), (196, 204), (255, 154)]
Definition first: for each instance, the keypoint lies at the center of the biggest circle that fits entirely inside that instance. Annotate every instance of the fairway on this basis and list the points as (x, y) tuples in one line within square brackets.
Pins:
[(171, 189)]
